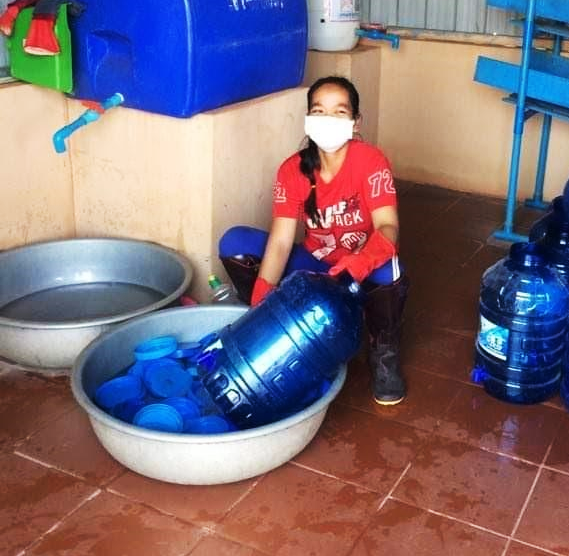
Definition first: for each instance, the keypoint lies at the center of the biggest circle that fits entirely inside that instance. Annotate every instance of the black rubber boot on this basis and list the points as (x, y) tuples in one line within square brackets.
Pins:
[(384, 314), (243, 271)]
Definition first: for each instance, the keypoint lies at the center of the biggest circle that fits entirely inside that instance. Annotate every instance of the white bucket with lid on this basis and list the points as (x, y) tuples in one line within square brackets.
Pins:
[(332, 24)]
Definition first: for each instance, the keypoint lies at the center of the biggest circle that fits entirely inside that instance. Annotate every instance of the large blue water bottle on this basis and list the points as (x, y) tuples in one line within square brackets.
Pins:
[(523, 323), (276, 357), (552, 233)]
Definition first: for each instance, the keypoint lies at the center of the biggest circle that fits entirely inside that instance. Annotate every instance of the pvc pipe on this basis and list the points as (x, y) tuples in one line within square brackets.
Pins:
[(87, 117)]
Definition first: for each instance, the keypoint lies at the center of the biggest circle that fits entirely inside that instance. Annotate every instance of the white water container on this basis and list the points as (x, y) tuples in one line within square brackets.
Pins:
[(332, 24)]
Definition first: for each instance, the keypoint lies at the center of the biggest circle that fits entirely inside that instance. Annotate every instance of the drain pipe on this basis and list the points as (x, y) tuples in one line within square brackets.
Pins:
[(95, 111)]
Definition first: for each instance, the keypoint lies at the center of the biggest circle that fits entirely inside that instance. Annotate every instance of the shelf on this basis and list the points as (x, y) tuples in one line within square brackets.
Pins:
[(547, 26), (558, 10), (538, 84), (548, 78), (542, 107)]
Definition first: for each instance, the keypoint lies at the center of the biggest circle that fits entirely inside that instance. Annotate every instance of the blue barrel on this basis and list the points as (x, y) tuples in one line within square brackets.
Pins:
[(182, 57), (276, 357), (552, 233), (523, 323)]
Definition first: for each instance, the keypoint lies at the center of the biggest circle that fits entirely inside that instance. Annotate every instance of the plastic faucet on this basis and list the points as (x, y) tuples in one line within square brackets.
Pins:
[(379, 35), (91, 115)]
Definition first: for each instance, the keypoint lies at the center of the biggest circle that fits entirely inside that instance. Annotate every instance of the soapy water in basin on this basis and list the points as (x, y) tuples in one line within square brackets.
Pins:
[(80, 302)]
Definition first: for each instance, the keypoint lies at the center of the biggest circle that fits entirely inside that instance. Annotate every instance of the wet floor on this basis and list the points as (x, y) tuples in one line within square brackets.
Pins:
[(450, 471)]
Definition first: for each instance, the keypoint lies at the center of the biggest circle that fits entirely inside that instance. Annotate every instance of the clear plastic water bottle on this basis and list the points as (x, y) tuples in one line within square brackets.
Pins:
[(523, 325), (222, 292)]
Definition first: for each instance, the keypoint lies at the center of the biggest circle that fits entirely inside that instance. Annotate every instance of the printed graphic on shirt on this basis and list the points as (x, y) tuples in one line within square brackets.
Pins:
[(327, 244), (345, 214), (353, 240), (279, 192), (381, 182)]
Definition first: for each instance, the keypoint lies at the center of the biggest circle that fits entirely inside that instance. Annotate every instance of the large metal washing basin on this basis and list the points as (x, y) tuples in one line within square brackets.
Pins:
[(187, 458), (56, 297)]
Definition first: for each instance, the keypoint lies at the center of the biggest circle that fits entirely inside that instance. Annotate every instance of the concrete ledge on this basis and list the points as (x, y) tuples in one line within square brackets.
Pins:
[(177, 182), (182, 182)]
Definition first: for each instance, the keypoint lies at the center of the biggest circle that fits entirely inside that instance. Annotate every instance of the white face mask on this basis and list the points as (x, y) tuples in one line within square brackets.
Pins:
[(329, 132)]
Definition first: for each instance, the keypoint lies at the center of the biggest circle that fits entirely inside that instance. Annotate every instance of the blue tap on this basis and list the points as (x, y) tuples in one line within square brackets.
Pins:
[(378, 35), (87, 117)]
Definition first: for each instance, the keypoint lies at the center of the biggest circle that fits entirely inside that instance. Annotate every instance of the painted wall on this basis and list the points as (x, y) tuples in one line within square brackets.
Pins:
[(436, 124), (177, 182), (183, 182), (439, 126), (36, 201)]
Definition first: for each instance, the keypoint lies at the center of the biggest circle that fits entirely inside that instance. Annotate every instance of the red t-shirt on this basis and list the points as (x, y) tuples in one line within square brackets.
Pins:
[(363, 184)]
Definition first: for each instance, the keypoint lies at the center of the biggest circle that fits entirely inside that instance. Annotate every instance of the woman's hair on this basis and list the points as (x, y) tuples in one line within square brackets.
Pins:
[(309, 157)]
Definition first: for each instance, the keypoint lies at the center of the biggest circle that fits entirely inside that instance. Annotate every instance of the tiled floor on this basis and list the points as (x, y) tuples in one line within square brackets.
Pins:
[(451, 471)]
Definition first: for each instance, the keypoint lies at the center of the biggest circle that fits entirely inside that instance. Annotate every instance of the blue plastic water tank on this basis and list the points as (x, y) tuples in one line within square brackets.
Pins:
[(182, 57), (276, 357), (523, 323)]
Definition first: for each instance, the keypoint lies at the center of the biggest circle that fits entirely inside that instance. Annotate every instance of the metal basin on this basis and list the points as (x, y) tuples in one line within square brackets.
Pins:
[(187, 458), (56, 297)]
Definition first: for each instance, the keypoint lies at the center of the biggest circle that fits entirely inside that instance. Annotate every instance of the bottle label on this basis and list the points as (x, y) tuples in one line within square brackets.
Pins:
[(493, 338)]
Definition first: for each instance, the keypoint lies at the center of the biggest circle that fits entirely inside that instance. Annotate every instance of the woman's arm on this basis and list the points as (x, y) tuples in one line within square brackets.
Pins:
[(386, 221), (279, 246)]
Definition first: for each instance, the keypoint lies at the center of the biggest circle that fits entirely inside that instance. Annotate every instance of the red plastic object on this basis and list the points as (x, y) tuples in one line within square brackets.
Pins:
[(93, 105), (41, 39), (187, 301)]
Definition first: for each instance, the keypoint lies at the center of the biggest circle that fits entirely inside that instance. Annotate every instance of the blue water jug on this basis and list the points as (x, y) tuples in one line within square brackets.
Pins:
[(552, 233), (523, 323), (273, 360)]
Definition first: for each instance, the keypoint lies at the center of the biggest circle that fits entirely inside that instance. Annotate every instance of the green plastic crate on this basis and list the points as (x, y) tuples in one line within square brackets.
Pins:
[(54, 72)]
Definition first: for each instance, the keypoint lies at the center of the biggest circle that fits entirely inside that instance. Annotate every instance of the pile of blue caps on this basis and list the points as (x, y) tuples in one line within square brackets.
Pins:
[(162, 390)]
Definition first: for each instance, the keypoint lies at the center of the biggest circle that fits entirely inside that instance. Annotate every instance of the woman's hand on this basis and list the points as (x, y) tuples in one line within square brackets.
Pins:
[(377, 251), (261, 289), (379, 248), (277, 252)]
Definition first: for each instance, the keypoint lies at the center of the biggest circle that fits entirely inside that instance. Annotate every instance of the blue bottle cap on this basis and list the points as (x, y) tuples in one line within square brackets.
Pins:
[(187, 350), (156, 348), (159, 417), (187, 408), (207, 361), (193, 398), (119, 390), (137, 369), (478, 375), (126, 411), (166, 378), (208, 424), (203, 399), (192, 368)]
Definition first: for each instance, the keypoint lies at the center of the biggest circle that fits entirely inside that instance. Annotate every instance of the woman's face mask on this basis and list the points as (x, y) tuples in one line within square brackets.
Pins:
[(330, 133)]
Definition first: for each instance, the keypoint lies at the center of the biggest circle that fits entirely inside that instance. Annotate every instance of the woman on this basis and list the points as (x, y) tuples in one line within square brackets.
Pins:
[(342, 189)]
